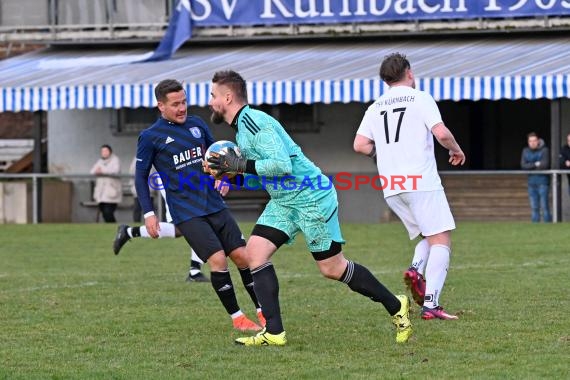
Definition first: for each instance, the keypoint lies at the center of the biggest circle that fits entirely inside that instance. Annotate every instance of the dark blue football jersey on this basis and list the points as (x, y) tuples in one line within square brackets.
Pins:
[(176, 151)]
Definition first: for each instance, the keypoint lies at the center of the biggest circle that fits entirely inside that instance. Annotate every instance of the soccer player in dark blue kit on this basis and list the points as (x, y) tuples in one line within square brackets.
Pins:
[(175, 145)]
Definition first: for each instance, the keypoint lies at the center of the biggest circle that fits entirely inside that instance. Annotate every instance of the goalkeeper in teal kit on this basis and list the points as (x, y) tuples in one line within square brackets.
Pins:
[(302, 200)]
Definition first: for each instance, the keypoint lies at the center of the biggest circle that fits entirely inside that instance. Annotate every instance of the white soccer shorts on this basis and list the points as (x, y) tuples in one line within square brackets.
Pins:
[(422, 212)]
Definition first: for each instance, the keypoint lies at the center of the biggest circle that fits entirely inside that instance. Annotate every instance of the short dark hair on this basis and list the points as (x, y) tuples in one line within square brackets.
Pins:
[(531, 134), (165, 87), (393, 68), (108, 147), (234, 81)]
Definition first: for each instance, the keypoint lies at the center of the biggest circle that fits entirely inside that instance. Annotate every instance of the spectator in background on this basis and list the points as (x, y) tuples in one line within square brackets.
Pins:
[(108, 192), (565, 158), (536, 157)]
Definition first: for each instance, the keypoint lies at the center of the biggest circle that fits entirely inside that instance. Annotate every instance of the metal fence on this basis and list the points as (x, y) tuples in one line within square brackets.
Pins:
[(36, 178)]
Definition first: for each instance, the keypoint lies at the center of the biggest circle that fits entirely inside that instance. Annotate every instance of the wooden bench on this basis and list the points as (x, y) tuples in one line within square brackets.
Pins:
[(126, 204), (12, 150)]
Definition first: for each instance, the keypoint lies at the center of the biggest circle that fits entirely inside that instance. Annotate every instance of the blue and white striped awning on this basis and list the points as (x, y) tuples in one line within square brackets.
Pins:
[(290, 72)]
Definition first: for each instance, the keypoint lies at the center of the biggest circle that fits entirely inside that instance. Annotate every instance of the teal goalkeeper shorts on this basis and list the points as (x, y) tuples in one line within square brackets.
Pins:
[(318, 220)]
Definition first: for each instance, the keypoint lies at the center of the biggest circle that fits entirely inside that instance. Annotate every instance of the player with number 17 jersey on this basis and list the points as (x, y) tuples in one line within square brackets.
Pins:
[(395, 122), (399, 129)]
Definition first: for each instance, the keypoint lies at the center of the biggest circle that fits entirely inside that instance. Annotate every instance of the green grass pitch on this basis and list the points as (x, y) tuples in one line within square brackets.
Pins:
[(70, 309)]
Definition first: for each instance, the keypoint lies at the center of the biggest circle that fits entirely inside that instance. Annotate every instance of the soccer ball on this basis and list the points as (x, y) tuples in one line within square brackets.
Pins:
[(220, 148)]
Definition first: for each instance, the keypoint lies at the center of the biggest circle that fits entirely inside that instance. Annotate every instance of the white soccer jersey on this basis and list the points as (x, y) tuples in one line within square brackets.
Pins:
[(400, 123)]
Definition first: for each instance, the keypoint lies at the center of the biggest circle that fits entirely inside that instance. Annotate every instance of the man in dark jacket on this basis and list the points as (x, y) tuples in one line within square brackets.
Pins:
[(565, 158), (537, 157)]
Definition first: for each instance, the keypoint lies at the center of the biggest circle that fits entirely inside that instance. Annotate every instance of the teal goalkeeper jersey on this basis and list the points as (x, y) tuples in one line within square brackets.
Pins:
[(283, 170)]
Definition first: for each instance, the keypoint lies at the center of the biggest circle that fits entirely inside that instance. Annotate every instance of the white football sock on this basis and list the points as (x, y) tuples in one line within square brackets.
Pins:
[(144, 232), (167, 230), (421, 254), (436, 272), (195, 257), (194, 271), (237, 314)]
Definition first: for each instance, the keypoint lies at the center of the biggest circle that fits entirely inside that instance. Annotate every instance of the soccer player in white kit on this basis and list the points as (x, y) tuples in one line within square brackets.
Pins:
[(397, 130)]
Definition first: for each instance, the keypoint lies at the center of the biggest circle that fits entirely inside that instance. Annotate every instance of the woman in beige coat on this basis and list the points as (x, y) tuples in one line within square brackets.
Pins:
[(108, 191)]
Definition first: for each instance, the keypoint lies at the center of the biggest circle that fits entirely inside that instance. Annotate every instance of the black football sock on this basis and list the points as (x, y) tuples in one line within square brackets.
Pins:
[(195, 268), (195, 265), (360, 280), (136, 232), (266, 288), (222, 284), (247, 280)]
